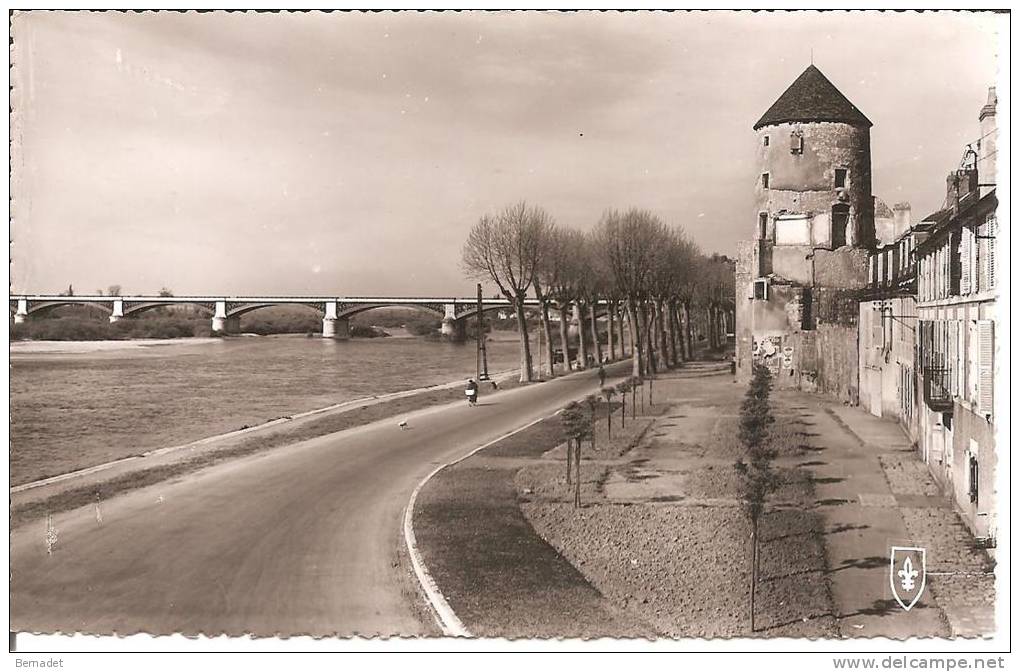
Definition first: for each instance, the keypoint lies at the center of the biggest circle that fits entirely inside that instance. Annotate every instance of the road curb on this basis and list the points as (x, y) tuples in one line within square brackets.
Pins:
[(448, 621)]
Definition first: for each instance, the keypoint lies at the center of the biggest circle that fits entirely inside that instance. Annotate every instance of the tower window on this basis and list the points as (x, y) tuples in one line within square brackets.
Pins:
[(765, 141), (765, 180), (840, 219), (796, 142), (840, 178)]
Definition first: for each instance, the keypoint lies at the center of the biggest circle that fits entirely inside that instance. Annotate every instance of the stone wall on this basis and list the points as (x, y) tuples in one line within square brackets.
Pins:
[(967, 427), (833, 349)]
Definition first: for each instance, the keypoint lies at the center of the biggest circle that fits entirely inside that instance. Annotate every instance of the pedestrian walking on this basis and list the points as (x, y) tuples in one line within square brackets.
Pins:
[(602, 376)]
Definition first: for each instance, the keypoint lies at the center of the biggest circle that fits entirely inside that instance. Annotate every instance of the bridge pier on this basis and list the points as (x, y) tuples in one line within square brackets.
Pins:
[(21, 314), (333, 326), (455, 330), (452, 328), (339, 329), (221, 323), (118, 311), (575, 321)]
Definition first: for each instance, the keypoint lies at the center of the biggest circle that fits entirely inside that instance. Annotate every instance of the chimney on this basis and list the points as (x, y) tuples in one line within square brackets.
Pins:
[(986, 145), (901, 219)]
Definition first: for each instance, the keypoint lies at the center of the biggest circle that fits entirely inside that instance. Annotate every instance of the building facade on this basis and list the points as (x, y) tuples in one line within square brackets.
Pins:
[(956, 331), (887, 341)]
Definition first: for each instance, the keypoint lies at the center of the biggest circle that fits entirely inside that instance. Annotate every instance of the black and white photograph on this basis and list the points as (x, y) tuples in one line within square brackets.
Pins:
[(659, 330)]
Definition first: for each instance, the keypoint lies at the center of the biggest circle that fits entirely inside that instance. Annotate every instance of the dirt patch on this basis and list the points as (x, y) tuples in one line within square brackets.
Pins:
[(501, 578)]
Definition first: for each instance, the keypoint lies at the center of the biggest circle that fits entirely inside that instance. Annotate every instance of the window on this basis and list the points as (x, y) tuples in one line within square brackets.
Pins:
[(840, 178), (796, 142), (761, 290), (840, 218), (765, 141), (765, 180)]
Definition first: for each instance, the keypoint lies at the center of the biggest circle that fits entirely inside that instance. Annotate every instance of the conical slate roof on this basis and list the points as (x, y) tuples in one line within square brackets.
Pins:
[(812, 97)]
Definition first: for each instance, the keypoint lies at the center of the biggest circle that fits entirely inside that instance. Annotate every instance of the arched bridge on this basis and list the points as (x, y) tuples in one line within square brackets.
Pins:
[(227, 311)]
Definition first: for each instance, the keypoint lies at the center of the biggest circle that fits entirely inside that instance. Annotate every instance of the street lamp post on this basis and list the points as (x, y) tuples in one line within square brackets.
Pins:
[(481, 362)]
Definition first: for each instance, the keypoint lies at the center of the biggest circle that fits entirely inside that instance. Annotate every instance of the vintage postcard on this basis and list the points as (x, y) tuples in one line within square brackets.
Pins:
[(510, 325)]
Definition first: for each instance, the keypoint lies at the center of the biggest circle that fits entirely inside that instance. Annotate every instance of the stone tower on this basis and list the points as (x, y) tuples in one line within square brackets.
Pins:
[(814, 221), (814, 160)]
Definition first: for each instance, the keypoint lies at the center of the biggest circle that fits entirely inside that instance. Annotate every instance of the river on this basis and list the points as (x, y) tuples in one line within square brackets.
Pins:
[(76, 405)]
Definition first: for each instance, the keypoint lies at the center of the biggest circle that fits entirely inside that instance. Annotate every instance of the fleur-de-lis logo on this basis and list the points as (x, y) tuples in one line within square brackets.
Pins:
[(907, 575), (907, 568)]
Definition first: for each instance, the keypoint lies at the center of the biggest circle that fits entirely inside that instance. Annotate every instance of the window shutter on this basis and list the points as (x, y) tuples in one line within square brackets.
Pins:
[(960, 371), (990, 227), (972, 361), (986, 364), (966, 254)]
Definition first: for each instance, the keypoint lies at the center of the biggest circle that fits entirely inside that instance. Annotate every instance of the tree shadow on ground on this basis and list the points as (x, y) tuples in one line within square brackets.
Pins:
[(886, 607), (846, 528), (870, 562)]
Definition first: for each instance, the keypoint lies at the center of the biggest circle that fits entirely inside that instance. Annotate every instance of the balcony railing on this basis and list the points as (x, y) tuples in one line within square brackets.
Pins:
[(938, 393)]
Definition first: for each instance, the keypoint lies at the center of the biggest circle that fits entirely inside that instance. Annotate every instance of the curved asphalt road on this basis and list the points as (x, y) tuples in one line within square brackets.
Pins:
[(304, 539)]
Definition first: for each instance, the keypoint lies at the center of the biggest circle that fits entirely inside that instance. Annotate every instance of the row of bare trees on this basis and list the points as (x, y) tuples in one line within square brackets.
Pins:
[(632, 268)]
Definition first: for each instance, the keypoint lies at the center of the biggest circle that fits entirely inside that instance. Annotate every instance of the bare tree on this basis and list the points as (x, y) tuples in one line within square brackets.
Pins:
[(507, 249), (628, 244), (550, 278), (565, 287), (608, 393), (114, 290)]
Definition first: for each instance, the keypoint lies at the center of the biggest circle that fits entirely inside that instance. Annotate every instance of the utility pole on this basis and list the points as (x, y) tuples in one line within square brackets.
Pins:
[(481, 364)]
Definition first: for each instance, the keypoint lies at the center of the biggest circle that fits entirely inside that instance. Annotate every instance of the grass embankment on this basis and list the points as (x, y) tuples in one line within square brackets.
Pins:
[(338, 421), (499, 576)]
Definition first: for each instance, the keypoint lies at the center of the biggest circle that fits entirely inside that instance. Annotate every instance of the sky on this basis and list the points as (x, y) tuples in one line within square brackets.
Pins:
[(350, 153)]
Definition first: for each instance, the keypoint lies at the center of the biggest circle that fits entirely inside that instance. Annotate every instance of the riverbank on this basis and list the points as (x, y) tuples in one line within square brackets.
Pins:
[(659, 541), (94, 483), (77, 405), (32, 347)]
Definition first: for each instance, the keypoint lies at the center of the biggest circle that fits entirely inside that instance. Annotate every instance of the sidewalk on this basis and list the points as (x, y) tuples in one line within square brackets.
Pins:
[(876, 493)]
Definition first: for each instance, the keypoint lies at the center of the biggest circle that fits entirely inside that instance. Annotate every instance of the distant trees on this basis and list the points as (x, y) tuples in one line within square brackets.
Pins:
[(113, 290), (631, 266)]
